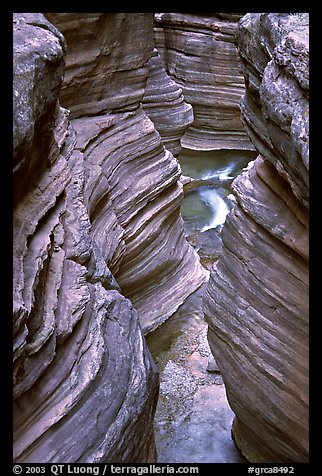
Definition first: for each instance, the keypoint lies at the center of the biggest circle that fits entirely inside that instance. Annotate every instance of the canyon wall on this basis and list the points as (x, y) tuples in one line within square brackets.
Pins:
[(164, 103), (256, 303), (136, 180), (98, 239), (199, 53)]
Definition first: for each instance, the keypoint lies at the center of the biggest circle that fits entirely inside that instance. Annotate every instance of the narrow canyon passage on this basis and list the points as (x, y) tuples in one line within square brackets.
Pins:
[(117, 249), (193, 418)]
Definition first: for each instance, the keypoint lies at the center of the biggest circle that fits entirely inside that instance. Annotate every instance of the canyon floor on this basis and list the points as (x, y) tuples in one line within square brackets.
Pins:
[(193, 418)]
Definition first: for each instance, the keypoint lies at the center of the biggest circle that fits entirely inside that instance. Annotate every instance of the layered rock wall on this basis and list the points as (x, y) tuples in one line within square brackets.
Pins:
[(76, 337), (134, 179), (164, 103), (96, 218), (199, 53), (256, 303)]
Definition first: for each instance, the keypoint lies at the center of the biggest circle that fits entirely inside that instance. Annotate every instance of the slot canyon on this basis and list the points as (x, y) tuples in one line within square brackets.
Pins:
[(160, 237)]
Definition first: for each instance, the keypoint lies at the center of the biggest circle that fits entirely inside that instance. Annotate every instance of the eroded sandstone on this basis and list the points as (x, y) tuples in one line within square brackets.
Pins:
[(199, 53), (76, 337), (164, 103), (152, 262), (256, 303), (99, 248)]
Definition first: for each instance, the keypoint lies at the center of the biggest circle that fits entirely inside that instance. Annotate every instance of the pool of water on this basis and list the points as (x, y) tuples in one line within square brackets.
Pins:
[(208, 196), (193, 418)]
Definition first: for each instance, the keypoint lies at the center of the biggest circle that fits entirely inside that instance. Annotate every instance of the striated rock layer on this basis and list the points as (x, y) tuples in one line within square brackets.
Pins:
[(164, 104), (199, 53), (132, 183), (99, 249), (85, 385), (256, 303)]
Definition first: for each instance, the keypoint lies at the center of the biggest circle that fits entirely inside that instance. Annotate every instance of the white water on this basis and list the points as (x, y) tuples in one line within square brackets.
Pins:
[(218, 207), (220, 174)]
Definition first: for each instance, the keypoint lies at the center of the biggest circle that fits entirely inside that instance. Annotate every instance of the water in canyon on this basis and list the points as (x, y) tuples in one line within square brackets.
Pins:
[(193, 418), (208, 197)]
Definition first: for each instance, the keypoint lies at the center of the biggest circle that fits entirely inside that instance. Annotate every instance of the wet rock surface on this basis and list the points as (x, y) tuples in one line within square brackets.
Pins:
[(208, 244), (193, 418), (208, 197)]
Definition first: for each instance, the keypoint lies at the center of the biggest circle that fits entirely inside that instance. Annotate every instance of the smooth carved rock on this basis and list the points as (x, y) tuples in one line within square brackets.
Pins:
[(157, 269), (199, 53), (164, 104), (256, 303), (132, 185), (96, 218), (85, 385)]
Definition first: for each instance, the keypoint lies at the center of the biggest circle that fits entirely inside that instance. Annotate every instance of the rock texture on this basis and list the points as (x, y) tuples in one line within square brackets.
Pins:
[(132, 183), (164, 104), (98, 239), (96, 222), (256, 302), (199, 53), (76, 337), (105, 65)]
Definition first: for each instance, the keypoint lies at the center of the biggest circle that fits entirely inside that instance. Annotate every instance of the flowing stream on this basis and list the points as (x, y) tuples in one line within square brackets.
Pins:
[(193, 419), (208, 197)]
